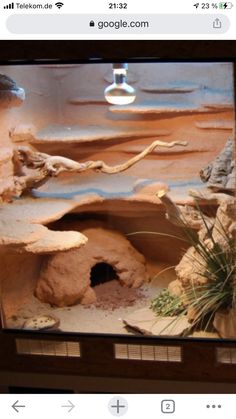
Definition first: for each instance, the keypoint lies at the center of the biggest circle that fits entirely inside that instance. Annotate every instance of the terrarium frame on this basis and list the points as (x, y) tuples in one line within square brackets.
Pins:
[(144, 358), (119, 355)]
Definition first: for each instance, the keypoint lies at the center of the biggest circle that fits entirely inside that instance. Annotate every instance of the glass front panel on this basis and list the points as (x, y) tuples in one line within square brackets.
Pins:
[(117, 198)]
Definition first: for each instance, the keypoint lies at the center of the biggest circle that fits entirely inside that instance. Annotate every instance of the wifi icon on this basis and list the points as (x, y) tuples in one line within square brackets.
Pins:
[(59, 4)]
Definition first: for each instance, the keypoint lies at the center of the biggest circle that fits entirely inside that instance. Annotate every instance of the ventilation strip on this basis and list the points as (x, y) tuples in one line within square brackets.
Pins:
[(158, 353), (226, 355), (48, 348)]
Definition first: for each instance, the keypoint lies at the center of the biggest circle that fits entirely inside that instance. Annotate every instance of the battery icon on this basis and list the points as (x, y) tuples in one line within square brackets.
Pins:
[(226, 5)]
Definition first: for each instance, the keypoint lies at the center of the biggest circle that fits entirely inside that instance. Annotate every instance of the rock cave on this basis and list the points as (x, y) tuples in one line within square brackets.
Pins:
[(101, 273), (104, 248)]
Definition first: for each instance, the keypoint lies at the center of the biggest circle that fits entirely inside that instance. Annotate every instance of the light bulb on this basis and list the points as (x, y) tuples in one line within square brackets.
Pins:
[(119, 92)]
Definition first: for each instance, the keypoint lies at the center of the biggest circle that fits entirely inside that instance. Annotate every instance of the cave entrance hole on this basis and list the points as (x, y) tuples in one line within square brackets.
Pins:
[(101, 273)]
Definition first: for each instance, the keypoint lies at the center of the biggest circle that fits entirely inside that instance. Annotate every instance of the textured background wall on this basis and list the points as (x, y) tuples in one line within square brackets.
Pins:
[(73, 95), (37, 109)]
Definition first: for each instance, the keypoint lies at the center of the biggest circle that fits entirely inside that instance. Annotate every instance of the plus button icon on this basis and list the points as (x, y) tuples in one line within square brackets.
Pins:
[(118, 406)]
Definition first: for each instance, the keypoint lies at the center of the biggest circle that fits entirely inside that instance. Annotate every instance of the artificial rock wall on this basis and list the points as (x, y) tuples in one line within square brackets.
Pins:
[(64, 113)]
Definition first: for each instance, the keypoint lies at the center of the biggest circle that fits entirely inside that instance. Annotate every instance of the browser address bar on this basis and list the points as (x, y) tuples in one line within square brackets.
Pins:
[(122, 23)]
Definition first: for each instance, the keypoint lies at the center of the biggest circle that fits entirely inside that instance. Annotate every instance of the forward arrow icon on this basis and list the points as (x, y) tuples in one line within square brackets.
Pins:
[(69, 406)]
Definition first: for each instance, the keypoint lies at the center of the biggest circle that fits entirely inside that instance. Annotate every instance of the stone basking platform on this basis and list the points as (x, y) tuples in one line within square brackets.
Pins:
[(23, 220), (91, 188), (220, 107), (170, 88), (146, 322), (155, 108), (19, 232), (215, 124), (36, 211), (57, 241), (77, 134), (33, 237), (22, 226)]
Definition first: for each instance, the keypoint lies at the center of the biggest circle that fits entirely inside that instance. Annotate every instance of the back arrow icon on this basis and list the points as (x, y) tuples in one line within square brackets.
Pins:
[(69, 406), (16, 406)]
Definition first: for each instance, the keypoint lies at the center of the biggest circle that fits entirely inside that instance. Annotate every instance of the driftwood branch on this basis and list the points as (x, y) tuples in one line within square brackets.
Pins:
[(103, 167), (46, 166)]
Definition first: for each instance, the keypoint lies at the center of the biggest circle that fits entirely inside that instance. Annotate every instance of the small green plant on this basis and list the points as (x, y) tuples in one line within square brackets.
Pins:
[(167, 304)]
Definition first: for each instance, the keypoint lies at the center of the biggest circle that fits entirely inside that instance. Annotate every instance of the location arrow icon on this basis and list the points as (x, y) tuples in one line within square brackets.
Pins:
[(69, 406), (16, 406)]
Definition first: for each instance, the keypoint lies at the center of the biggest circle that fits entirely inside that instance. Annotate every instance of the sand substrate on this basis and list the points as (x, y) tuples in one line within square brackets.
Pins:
[(114, 302), (111, 296)]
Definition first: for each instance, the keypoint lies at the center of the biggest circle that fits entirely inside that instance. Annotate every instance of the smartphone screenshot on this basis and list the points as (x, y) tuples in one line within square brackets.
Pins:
[(117, 209)]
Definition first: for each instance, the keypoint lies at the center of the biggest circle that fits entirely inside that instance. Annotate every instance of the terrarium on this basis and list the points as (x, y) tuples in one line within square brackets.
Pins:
[(117, 185)]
